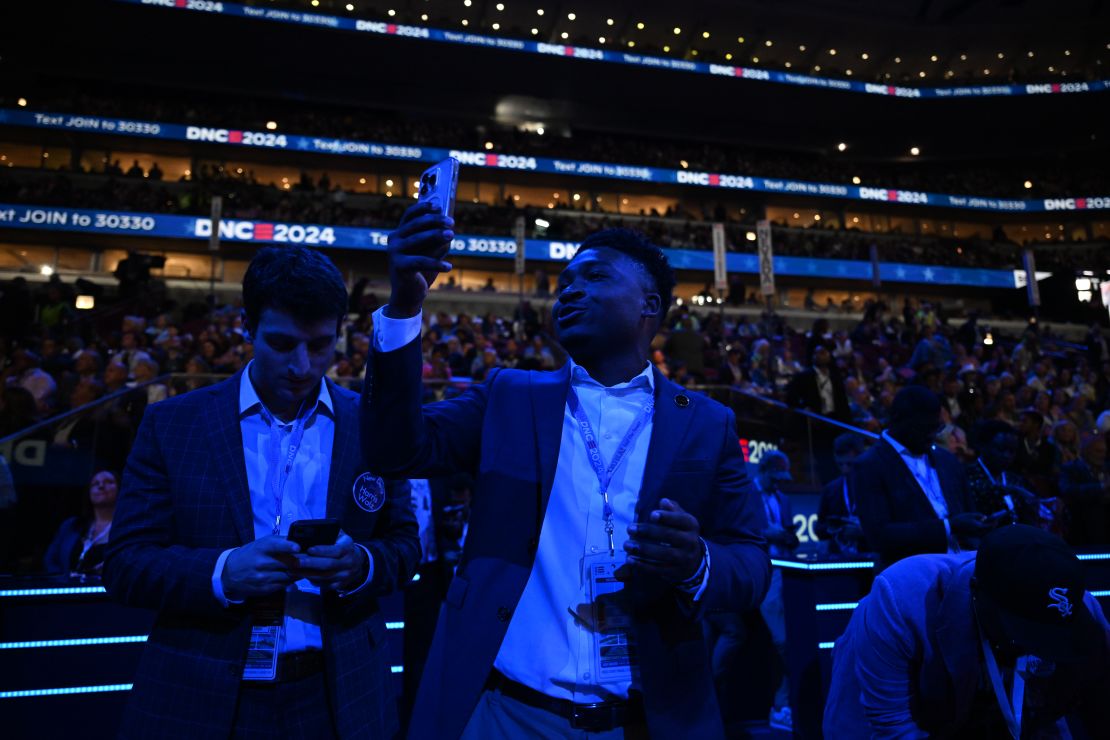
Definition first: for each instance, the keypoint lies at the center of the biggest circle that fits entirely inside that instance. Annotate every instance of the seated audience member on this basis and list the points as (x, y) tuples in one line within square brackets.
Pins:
[(996, 490), (78, 547), (1085, 488), (914, 496), (1003, 643), (837, 521)]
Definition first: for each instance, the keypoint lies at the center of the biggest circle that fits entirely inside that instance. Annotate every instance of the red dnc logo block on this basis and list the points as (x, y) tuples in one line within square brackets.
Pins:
[(234, 137), (491, 160), (391, 28), (179, 3), (263, 232)]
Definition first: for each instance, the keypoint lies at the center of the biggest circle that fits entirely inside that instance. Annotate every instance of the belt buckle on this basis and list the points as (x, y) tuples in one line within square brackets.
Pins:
[(593, 717)]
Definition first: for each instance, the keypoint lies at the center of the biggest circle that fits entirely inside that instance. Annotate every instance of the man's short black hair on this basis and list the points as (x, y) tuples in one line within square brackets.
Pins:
[(914, 402), (849, 443), (636, 245), (297, 280)]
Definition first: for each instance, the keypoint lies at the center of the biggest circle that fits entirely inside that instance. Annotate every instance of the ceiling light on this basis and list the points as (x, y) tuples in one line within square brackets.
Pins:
[(564, 35), (362, 181), (963, 57), (496, 26), (424, 17), (535, 31), (577, 196), (788, 65), (841, 146), (933, 58), (987, 71), (1050, 69), (684, 164), (465, 22), (677, 30), (350, 7), (856, 180), (1001, 55), (768, 43), (921, 74), (694, 52), (914, 151), (271, 125), (500, 6), (571, 16), (467, 3), (631, 44), (750, 236), (1028, 185), (22, 102), (609, 21), (46, 270), (601, 39), (739, 39), (666, 49), (897, 60), (539, 130), (802, 47), (832, 52), (865, 56), (1067, 53), (539, 11), (489, 145), (755, 60), (391, 12), (817, 68), (705, 34), (848, 72), (728, 56)]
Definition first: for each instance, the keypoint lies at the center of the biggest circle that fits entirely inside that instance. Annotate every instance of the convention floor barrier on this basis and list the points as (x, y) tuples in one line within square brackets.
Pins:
[(820, 596), (68, 656)]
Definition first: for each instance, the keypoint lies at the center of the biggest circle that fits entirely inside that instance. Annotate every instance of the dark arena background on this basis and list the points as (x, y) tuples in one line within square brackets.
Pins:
[(920, 190)]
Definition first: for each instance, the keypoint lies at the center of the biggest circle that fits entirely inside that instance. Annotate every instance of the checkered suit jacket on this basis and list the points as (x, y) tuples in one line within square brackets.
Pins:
[(184, 500)]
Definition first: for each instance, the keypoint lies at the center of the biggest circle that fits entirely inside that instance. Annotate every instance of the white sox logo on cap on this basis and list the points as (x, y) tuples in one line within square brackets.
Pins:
[(1060, 601), (369, 492)]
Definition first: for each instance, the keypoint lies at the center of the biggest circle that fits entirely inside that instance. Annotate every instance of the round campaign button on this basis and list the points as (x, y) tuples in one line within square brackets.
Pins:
[(369, 492)]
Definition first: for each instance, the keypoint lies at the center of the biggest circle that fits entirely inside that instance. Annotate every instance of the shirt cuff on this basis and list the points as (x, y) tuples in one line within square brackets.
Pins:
[(217, 579), (694, 586), (369, 574), (391, 334)]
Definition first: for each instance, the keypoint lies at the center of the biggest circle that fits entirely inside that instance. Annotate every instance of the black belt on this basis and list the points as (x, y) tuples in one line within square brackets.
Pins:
[(597, 717), (293, 667)]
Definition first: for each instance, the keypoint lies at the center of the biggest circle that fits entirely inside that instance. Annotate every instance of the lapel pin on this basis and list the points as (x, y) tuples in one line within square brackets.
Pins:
[(682, 400)]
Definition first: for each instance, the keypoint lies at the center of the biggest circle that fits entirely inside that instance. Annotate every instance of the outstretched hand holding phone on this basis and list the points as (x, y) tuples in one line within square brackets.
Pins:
[(419, 244)]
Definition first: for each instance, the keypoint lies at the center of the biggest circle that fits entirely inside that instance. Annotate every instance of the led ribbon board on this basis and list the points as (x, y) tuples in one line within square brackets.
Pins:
[(423, 33), (527, 163), (50, 218)]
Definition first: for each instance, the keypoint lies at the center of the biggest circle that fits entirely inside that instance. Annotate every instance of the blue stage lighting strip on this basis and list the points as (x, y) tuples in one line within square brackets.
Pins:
[(825, 645), (66, 591), (74, 642), (394, 625), (1094, 556), (24, 693), (1101, 594), (313, 19), (852, 565), (846, 606), (397, 669)]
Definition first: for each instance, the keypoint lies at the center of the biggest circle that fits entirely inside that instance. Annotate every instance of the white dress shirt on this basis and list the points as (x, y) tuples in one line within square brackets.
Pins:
[(545, 647), (305, 497), (825, 389), (926, 476)]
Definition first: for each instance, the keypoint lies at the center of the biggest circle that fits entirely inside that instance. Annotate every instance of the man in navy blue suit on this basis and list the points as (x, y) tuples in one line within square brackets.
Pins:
[(912, 497), (254, 637), (610, 512)]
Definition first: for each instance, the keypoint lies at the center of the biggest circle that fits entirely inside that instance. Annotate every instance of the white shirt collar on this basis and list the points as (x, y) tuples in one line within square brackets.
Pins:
[(249, 400), (901, 448), (579, 377)]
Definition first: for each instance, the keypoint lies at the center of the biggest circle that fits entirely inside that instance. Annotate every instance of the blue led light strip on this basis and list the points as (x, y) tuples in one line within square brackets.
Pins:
[(23, 693), (825, 645), (394, 625), (1094, 556), (422, 33), (1100, 594), (68, 591), (856, 565), (74, 642), (396, 669), (842, 607)]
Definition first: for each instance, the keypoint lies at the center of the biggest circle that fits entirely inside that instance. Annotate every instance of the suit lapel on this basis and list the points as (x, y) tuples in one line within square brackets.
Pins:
[(548, 393), (897, 463), (345, 452), (227, 453), (668, 429), (947, 490)]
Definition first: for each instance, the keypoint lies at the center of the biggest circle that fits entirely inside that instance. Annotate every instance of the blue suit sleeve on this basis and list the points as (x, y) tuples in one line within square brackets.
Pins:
[(404, 438), (741, 570), (143, 567)]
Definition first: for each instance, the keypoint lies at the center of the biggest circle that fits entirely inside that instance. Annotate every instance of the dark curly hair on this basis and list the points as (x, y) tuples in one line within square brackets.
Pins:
[(636, 245), (298, 280)]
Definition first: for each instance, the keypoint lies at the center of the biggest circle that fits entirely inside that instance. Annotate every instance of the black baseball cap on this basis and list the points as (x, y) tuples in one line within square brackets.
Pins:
[(1029, 588)]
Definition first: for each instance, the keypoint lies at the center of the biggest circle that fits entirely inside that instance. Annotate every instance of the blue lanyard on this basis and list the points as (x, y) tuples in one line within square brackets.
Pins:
[(605, 473), (848, 500), (280, 473)]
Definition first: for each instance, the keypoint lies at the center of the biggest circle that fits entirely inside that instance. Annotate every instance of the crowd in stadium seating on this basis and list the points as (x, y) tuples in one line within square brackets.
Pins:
[(1063, 177), (1056, 396), (320, 202)]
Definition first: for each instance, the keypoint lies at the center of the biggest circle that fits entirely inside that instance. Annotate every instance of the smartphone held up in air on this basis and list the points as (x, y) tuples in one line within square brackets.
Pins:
[(438, 185)]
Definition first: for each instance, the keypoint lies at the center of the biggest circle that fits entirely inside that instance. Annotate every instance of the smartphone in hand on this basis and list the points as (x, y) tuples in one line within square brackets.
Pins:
[(438, 185), (312, 532)]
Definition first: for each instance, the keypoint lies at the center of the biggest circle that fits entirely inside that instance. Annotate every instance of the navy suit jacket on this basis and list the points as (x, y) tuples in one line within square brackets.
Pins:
[(184, 500), (507, 433), (894, 512)]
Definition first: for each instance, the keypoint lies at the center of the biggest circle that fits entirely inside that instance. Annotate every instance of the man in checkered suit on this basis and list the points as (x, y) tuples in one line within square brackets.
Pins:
[(256, 637)]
